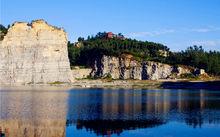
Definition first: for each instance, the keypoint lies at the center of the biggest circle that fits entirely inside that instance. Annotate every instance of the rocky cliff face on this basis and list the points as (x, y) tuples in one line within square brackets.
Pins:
[(125, 67), (34, 53), (81, 73)]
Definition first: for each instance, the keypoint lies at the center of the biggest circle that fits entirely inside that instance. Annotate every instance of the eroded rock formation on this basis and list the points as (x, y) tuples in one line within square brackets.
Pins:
[(125, 67), (34, 53)]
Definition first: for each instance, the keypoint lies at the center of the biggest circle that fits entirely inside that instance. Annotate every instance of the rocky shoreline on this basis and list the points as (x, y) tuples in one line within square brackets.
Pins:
[(123, 84), (148, 84)]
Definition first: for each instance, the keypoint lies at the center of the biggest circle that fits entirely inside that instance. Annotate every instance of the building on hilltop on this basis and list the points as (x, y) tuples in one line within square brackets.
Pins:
[(111, 35)]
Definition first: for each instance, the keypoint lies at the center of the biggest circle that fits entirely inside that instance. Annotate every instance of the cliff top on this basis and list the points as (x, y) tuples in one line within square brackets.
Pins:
[(36, 24)]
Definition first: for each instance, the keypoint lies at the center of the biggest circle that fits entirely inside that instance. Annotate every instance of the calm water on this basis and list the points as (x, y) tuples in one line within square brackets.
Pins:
[(105, 112)]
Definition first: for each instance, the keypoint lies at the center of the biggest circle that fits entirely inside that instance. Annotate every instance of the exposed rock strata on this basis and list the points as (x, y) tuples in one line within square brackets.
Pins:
[(34, 53), (125, 67)]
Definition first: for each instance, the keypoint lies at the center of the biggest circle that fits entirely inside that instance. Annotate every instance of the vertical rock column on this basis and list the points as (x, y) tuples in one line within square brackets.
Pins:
[(34, 53)]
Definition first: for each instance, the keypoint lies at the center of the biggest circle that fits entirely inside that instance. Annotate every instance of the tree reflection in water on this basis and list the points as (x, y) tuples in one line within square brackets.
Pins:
[(107, 127), (111, 112)]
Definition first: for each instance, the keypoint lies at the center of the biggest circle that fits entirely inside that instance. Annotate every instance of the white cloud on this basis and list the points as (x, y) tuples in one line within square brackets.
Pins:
[(151, 33), (206, 43), (168, 31), (201, 30), (204, 30)]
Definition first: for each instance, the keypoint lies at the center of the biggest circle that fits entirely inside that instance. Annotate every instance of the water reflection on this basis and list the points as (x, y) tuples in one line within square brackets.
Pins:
[(102, 111), (108, 127), (192, 107), (33, 113)]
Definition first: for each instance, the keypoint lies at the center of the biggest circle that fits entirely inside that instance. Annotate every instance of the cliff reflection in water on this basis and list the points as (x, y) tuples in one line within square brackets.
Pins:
[(33, 113), (105, 112)]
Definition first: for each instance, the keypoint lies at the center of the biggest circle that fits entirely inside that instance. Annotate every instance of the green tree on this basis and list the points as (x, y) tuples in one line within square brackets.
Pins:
[(3, 31)]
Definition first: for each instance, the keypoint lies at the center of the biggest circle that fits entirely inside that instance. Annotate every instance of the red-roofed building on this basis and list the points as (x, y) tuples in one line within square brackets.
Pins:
[(111, 35)]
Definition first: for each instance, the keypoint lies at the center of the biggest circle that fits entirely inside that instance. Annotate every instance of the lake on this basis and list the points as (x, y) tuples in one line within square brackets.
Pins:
[(110, 113)]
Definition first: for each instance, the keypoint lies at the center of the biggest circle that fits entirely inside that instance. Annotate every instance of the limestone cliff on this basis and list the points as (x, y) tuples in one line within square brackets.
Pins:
[(126, 67), (34, 53)]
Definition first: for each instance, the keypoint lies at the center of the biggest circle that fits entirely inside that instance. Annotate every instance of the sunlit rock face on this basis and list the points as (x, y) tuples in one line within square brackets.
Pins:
[(34, 53), (81, 73), (155, 70), (126, 67)]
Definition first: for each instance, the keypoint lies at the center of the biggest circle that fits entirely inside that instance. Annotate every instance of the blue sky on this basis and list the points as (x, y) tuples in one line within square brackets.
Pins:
[(175, 23)]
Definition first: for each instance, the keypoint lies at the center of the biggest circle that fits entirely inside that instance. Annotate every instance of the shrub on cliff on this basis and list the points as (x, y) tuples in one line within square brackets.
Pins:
[(187, 76), (3, 31)]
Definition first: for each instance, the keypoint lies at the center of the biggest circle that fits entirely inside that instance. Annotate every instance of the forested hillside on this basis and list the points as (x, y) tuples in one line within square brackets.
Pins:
[(195, 56), (85, 50)]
